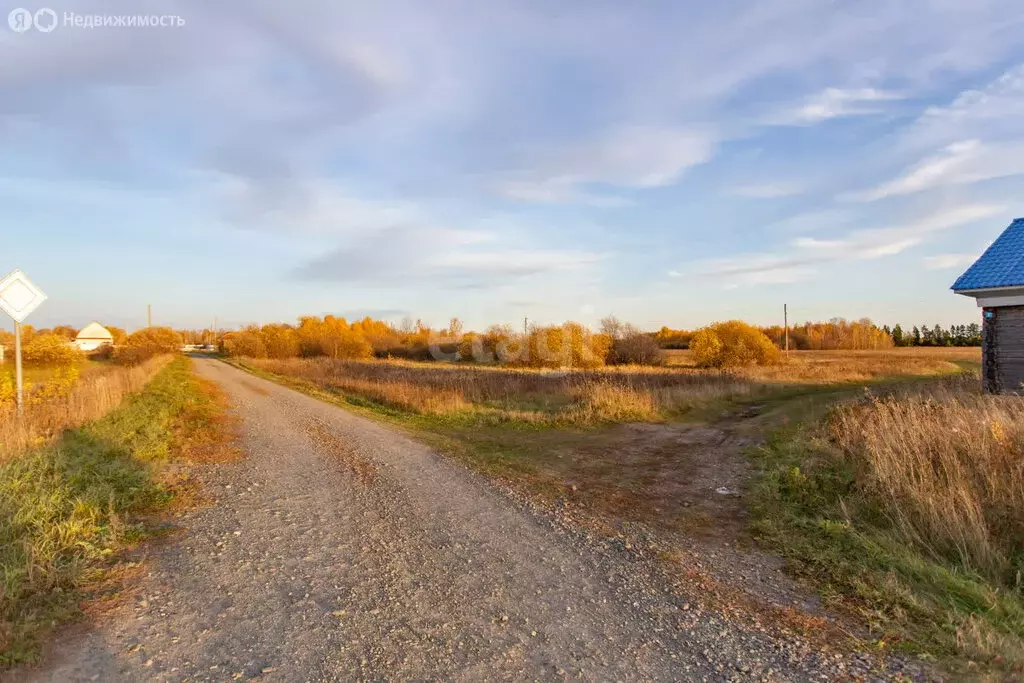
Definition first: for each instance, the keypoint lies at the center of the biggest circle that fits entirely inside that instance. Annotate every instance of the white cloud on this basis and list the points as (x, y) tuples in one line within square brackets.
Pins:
[(630, 157), (961, 163), (976, 137), (411, 256), (555, 191), (813, 221), (807, 253), (834, 103), (513, 261), (942, 261), (314, 207), (768, 190), (990, 113), (815, 243), (878, 242)]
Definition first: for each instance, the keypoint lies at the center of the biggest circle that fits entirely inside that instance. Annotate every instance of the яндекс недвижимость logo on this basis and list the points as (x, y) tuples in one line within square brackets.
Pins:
[(45, 20), (22, 20)]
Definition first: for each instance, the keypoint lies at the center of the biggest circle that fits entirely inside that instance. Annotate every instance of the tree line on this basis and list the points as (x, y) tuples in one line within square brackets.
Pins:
[(954, 335), (567, 345), (53, 346), (839, 334)]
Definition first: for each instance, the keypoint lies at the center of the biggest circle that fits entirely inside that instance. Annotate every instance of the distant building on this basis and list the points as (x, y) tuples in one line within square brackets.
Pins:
[(93, 336), (996, 281)]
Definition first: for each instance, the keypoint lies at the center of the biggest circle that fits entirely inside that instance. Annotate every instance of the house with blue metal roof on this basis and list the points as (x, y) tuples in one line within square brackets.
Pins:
[(996, 282)]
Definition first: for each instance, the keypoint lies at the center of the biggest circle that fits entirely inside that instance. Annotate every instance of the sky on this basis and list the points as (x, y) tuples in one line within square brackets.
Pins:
[(669, 162)]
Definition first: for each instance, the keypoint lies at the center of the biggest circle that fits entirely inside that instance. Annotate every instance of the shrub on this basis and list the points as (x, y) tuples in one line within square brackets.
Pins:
[(630, 346), (146, 343), (568, 346), (103, 352), (281, 341), (248, 343), (51, 349), (733, 344), (7, 388), (332, 337)]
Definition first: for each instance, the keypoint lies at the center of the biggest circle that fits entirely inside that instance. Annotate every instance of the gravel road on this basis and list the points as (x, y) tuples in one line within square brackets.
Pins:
[(340, 549)]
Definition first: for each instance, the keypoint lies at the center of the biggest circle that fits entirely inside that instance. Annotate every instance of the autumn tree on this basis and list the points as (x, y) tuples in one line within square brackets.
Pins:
[(119, 335), (50, 349), (332, 337), (65, 331), (280, 341), (246, 343), (146, 343), (733, 344)]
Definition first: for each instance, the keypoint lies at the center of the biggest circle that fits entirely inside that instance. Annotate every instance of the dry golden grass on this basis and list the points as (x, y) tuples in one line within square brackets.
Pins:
[(828, 367), (622, 393), (949, 462), (909, 509), (615, 393), (57, 406), (603, 401)]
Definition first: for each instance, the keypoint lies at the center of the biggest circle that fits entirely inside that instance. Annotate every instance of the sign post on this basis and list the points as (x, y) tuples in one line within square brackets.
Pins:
[(17, 365), (18, 298)]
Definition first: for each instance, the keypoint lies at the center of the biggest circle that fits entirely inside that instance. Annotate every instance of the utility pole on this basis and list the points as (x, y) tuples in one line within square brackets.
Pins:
[(526, 327), (149, 315), (785, 318)]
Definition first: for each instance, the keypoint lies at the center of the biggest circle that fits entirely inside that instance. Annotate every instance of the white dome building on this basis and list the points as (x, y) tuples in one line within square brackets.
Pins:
[(93, 336)]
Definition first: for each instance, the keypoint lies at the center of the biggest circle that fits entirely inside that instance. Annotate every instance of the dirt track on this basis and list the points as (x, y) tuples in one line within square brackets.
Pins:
[(340, 549)]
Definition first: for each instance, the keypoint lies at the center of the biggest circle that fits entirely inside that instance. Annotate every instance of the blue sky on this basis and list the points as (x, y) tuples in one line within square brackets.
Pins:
[(669, 162)]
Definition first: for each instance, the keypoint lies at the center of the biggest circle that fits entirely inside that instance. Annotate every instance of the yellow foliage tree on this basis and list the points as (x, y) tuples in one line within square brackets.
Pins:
[(51, 349), (569, 346), (280, 341), (332, 337), (143, 344), (733, 344), (248, 343)]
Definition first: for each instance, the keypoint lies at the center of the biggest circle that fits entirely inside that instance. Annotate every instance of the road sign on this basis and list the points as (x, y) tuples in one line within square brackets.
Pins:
[(18, 296)]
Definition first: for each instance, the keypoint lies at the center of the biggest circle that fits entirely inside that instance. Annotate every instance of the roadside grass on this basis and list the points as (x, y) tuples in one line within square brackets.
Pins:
[(66, 397), (909, 511), (69, 508)]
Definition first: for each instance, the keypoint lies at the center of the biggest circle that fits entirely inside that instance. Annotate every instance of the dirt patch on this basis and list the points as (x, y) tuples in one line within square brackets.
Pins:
[(675, 492)]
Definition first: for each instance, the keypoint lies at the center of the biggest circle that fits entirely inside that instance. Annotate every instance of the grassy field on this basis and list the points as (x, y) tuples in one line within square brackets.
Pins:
[(65, 397), (909, 510), (491, 394), (828, 367), (886, 479), (70, 506), (484, 394)]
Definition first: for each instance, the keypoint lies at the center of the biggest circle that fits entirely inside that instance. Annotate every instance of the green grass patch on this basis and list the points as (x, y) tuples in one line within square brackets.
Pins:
[(67, 509), (809, 507)]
